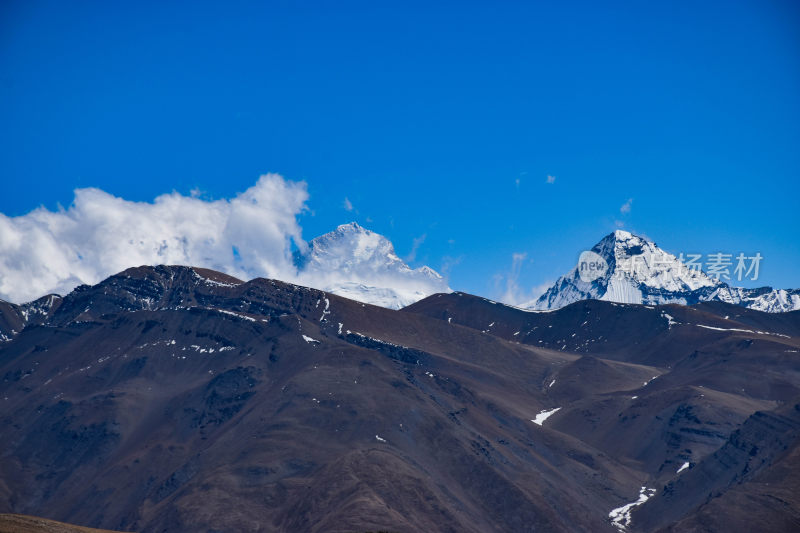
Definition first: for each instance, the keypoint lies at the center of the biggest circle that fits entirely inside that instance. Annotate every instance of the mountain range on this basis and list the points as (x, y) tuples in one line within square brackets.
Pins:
[(362, 265), (173, 398)]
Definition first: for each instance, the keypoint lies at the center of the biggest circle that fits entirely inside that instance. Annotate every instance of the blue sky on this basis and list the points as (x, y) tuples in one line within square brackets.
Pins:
[(442, 120)]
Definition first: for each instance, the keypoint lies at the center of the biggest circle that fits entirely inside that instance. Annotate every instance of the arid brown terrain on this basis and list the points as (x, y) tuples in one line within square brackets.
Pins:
[(180, 399)]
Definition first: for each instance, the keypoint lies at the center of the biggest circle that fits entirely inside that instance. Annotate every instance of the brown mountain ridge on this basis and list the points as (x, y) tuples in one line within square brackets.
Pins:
[(180, 399)]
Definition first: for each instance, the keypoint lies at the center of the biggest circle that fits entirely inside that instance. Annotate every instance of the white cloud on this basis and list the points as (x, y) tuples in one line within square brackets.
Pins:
[(626, 207), (348, 205), (417, 242), (551, 179), (512, 294), (448, 263), (247, 236), (100, 234)]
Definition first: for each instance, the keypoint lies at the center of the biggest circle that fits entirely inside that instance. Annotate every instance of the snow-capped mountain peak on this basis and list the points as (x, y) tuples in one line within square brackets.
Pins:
[(350, 247), (360, 264), (627, 268), (640, 261)]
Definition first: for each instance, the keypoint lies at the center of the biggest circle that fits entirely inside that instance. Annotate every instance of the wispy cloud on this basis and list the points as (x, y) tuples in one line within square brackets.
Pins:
[(512, 293), (626, 207), (347, 204), (416, 243), (550, 179), (448, 263), (508, 287)]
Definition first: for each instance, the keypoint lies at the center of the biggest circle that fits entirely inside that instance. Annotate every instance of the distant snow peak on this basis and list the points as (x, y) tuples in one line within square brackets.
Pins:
[(362, 265), (626, 268)]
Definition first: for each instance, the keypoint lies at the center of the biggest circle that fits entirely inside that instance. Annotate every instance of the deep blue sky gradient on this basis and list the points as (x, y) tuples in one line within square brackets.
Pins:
[(425, 116)]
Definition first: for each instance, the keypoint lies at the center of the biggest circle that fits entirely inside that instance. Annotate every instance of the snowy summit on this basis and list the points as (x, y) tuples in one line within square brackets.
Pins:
[(360, 264), (639, 272)]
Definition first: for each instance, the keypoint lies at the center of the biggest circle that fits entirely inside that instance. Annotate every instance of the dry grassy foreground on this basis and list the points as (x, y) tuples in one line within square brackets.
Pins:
[(17, 523)]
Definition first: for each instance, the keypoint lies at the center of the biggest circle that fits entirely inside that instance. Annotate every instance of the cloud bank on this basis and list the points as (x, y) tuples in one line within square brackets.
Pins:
[(247, 236)]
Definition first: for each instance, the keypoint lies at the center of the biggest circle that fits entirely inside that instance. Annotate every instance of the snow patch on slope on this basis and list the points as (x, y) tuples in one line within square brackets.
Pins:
[(621, 516), (544, 415)]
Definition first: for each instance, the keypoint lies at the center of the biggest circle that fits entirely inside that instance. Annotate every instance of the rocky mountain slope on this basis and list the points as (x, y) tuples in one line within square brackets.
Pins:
[(181, 399), (638, 271)]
